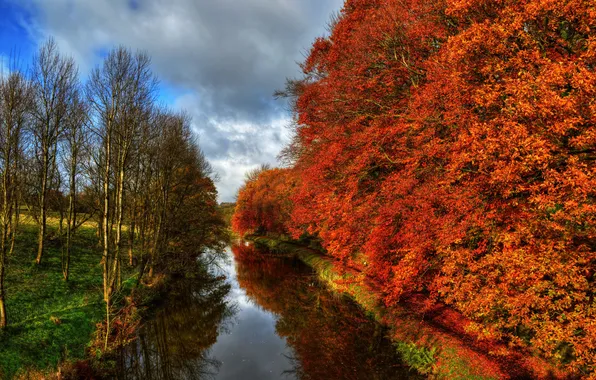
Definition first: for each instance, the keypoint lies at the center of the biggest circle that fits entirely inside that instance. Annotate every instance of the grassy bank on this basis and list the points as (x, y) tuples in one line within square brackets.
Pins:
[(51, 320), (434, 340)]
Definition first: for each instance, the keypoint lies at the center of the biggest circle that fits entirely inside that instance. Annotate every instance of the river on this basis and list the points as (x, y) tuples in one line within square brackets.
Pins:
[(259, 317)]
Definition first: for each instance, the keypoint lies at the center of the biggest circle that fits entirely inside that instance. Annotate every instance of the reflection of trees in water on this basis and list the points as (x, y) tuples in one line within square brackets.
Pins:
[(331, 336), (175, 343)]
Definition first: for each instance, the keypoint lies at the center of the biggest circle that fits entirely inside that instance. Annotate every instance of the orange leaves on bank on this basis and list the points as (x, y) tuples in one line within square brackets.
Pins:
[(263, 203), (449, 147)]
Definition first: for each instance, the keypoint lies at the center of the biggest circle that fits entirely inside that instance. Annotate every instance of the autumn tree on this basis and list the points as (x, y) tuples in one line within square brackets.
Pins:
[(184, 197), (263, 203), (447, 148)]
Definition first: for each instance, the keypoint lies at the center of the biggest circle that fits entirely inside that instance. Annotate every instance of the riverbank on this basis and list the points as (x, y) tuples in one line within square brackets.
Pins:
[(432, 339), (51, 321)]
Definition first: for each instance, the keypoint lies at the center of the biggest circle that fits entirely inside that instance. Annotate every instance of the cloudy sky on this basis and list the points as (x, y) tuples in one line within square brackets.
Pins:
[(220, 60)]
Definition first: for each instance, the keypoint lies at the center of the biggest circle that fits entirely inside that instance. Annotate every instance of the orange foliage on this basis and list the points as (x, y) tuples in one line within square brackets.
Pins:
[(450, 146), (263, 203)]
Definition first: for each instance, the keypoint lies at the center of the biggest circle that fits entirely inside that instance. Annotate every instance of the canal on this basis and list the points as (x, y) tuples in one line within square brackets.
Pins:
[(258, 317)]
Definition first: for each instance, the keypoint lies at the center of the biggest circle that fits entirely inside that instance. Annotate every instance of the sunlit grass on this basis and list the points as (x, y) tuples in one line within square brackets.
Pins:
[(50, 320)]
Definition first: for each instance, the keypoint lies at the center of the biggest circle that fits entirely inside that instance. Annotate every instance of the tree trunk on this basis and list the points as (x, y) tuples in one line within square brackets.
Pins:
[(99, 232), (6, 214), (131, 238), (105, 348), (42, 210), (71, 216), (61, 224), (3, 318), (69, 226), (14, 227), (119, 220), (105, 220)]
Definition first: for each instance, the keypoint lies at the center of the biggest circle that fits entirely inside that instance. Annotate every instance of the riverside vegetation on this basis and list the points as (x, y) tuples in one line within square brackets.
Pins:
[(445, 152), (105, 197)]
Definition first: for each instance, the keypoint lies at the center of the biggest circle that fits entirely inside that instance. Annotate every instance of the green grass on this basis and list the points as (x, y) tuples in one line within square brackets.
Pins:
[(50, 320), (417, 357)]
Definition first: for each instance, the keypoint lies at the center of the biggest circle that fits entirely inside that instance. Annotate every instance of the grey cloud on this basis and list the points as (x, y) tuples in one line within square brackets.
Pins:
[(226, 57)]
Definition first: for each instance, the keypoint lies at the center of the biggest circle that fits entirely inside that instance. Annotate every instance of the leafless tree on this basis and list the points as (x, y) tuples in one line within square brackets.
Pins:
[(75, 147), (15, 107), (120, 93), (54, 81)]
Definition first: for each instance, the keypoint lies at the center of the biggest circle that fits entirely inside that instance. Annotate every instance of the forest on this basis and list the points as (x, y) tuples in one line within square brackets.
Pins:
[(447, 149), (105, 196)]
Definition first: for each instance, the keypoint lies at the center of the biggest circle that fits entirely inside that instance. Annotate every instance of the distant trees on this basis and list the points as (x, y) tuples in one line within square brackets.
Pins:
[(264, 203), (103, 151), (448, 148)]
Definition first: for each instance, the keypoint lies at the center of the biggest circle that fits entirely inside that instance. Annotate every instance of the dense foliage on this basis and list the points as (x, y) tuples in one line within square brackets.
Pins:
[(448, 147), (264, 203)]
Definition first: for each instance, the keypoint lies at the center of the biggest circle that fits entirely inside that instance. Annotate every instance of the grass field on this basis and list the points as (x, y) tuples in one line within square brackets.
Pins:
[(50, 320)]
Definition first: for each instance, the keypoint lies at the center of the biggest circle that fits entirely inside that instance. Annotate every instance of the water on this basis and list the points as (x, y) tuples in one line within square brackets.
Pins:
[(259, 318)]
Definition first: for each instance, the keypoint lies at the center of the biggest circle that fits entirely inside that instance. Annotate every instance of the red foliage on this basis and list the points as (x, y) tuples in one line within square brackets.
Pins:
[(263, 203), (449, 147)]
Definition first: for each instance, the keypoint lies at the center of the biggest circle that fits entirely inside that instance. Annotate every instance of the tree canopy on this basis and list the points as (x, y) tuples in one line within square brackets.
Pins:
[(449, 147)]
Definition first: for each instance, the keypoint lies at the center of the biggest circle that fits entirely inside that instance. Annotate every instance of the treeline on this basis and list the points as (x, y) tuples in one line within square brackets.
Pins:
[(448, 148), (102, 151)]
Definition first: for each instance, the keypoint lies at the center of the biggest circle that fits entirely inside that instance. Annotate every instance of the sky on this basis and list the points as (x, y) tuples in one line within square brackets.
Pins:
[(220, 60)]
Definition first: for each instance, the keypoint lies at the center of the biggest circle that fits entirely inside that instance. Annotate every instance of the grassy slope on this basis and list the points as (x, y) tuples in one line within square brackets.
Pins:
[(50, 320)]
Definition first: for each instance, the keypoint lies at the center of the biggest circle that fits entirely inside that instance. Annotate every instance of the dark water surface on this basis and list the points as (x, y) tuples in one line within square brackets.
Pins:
[(260, 318)]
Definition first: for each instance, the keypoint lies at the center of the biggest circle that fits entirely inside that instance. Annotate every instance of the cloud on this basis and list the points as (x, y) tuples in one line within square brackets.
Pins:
[(221, 60), (235, 146)]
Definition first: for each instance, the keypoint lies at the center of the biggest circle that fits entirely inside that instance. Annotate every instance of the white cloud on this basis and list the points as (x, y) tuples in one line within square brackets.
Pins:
[(235, 146), (221, 59)]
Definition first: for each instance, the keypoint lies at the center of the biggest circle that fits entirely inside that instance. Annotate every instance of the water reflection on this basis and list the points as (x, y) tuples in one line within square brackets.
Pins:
[(269, 319), (252, 349), (175, 343), (330, 336)]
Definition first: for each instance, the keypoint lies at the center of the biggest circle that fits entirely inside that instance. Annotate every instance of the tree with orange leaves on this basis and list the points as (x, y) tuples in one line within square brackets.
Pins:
[(449, 147), (263, 203)]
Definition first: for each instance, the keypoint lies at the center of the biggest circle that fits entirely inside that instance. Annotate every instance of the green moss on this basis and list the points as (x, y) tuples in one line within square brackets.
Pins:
[(457, 368), (417, 357)]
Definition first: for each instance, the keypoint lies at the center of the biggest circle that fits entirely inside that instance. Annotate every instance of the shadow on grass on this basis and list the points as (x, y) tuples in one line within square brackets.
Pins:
[(50, 320)]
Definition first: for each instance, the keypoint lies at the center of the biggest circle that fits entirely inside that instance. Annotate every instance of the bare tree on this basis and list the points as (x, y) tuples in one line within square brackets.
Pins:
[(137, 112), (139, 184), (54, 81), (75, 145), (120, 94), (15, 107)]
